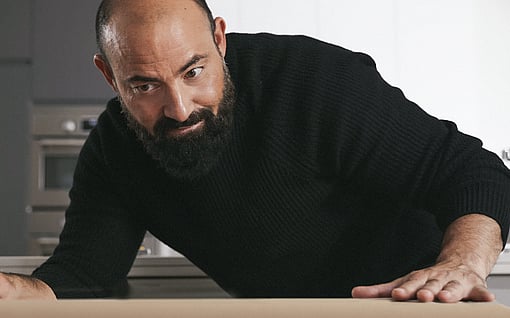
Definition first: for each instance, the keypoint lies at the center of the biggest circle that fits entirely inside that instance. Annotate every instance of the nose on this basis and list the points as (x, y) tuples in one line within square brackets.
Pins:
[(177, 106)]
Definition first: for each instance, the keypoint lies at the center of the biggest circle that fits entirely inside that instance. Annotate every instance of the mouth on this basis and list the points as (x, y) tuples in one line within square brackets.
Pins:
[(181, 131)]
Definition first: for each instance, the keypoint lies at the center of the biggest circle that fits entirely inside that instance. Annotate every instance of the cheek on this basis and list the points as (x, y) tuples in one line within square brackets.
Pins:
[(210, 93), (143, 112), (146, 116)]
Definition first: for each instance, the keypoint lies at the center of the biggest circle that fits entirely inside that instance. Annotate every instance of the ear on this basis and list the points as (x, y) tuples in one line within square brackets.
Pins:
[(219, 35), (105, 69)]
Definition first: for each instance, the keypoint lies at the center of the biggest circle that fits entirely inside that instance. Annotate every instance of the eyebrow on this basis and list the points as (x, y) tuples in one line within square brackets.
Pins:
[(139, 78), (194, 60)]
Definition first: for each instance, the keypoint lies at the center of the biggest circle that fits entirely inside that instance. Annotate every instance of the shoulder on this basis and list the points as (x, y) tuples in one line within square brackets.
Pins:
[(267, 48), (111, 124), (112, 155), (269, 42), (261, 61), (111, 139), (296, 67)]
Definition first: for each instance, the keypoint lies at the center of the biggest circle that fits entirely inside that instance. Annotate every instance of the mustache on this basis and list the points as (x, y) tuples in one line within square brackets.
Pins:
[(164, 124)]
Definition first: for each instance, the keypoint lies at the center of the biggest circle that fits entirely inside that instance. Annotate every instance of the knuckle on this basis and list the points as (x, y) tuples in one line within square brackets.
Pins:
[(455, 288), (415, 275), (6, 281), (473, 277), (433, 283), (3, 279), (453, 284)]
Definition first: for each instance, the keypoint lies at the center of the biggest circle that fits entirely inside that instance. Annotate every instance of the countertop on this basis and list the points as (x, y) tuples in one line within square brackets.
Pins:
[(144, 266), (248, 308), (150, 274)]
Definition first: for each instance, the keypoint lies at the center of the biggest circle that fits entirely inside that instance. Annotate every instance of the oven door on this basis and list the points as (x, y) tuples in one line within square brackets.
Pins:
[(53, 164)]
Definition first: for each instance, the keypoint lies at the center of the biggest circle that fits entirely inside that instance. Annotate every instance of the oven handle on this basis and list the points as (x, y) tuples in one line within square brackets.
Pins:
[(61, 142)]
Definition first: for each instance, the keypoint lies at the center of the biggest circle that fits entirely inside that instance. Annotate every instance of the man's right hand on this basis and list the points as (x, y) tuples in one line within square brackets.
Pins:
[(14, 286)]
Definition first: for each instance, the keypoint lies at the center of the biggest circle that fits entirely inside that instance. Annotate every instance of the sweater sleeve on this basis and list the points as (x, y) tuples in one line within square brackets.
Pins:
[(100, 238)]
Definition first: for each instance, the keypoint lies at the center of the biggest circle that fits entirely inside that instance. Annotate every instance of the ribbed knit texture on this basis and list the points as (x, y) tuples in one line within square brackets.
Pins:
[(332, 179)]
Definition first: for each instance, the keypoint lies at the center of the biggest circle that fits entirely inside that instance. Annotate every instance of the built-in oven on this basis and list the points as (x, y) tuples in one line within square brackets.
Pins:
[(58, 134)]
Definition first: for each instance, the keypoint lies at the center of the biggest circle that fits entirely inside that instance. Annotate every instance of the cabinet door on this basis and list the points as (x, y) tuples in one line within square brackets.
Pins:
[(64, 46), (15, 30), (14, 114)]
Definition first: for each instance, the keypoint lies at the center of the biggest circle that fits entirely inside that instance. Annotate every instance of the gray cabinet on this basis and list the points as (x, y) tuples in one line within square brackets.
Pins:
[(64, 46), (15, 30), (14, 163), (15, 26)]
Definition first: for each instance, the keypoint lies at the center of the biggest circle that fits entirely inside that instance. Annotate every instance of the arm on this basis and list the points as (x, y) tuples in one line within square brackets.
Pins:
[(470, 249), (15, 286), (102, 230), (423, 162)]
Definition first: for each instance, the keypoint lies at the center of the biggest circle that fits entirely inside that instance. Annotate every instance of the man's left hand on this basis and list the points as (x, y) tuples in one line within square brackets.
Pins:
[(471, 246), (443, 282)]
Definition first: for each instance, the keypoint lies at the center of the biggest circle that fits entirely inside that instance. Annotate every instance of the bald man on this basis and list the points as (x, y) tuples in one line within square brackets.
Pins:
[(282, 166)]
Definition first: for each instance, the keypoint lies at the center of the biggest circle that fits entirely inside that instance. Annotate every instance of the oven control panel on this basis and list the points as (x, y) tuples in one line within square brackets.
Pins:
[(70, 121)]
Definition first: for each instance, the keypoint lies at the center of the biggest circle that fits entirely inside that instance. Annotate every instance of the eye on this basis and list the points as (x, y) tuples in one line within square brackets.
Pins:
[(144, 88), (194, 72)]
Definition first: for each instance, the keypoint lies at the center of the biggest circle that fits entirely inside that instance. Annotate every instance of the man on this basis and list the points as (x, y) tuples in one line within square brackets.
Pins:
[(281, 166)]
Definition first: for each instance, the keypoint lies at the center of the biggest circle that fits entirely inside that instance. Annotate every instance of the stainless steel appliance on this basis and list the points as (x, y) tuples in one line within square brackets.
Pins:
[(58, 134)]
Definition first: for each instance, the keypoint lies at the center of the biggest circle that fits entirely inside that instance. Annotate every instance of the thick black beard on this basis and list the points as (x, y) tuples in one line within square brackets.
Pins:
[(193, 155)]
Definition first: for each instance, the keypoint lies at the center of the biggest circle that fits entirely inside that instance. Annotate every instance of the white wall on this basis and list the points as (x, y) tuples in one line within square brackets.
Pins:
[(452, 57)]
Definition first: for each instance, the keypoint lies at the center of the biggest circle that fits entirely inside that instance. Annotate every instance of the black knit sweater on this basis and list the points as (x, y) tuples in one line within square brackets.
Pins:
[(332, 179)]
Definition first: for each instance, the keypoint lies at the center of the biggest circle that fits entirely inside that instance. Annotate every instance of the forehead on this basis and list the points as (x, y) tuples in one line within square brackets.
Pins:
[(151, 27), (141, 10)]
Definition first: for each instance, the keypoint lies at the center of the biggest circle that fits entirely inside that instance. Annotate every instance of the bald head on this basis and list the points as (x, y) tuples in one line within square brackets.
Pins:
[(165, 61), (141, 11)]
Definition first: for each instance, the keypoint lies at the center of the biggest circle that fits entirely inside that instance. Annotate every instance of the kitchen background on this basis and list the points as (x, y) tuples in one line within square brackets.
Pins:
[(449, 56)]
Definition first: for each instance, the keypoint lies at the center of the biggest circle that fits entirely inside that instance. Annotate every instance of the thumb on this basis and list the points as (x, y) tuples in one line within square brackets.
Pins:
[(481, 293)]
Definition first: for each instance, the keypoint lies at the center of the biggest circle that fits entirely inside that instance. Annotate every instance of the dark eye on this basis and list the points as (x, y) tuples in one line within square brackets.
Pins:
[(194, 72), (144, 88)]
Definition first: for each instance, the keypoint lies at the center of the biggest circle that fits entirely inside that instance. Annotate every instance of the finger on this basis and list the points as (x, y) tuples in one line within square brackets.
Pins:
[(428, 292), (481, 293), (5, 285), (454, 292), (410, 287), (375, 291)]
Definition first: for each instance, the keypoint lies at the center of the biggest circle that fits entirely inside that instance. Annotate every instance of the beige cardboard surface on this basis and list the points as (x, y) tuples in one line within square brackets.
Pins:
[(247, 308)]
